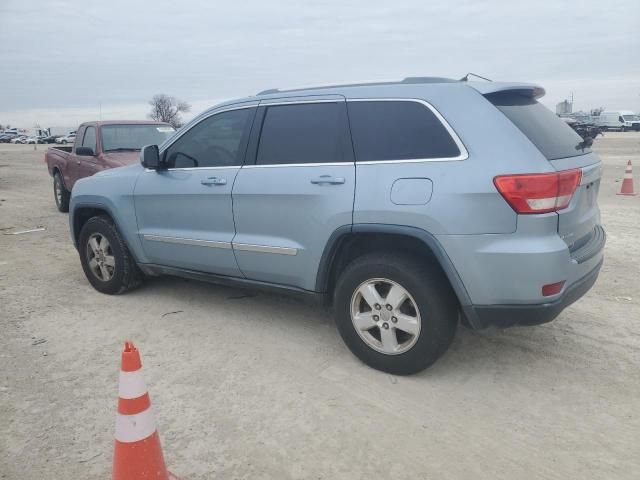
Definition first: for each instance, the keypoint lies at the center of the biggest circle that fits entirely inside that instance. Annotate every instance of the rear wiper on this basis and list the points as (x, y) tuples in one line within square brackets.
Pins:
[(586, 143), (123, 149)]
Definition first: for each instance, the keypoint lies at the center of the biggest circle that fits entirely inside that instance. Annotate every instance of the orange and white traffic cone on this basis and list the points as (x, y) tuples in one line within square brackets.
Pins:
[(137, 454), (627, 182)]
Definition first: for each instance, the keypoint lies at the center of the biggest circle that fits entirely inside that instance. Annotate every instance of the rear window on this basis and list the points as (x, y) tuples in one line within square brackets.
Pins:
[(553, 137), (398, 130)]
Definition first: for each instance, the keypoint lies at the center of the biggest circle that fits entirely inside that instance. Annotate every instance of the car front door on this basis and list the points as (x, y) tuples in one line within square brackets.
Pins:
[(295, 189), (87, 165), (184, 210)]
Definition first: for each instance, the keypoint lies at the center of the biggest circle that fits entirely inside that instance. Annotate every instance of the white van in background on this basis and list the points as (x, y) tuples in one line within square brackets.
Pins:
[(622, 120)]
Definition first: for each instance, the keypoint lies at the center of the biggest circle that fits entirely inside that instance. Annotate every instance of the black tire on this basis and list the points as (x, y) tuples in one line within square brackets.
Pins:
[(126, 274), (60, 193), (432, 294)]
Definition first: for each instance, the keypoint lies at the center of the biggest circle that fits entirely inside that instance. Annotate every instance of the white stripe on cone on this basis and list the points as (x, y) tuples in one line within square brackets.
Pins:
[(131, 385), (134, 428)]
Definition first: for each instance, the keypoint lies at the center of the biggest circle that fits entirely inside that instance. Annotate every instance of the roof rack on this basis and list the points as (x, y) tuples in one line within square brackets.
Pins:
[(407, 80)]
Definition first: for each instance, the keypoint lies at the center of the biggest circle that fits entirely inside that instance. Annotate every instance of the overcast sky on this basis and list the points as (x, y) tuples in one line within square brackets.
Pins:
[(61, 59)]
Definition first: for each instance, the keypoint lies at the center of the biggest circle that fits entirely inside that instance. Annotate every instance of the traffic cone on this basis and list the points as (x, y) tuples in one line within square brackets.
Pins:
[(627, 182), (137, 454)]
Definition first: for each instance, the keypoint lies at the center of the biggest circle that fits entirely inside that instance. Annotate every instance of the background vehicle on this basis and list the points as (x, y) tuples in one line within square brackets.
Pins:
[(19, 139), (472, 201), (622, 120), (99, 146), (6, 137), (69, 138)]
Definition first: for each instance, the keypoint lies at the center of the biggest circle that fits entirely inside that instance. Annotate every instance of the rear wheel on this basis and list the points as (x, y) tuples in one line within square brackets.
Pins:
[(60, 193), (105, 258), (394, 313)]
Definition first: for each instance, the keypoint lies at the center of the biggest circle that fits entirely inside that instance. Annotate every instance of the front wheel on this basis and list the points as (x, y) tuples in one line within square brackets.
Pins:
[(394, 313), (105, 258)]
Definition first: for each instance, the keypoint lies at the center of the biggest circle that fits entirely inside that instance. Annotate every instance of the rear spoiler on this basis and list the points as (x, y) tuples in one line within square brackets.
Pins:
[(527, 89)]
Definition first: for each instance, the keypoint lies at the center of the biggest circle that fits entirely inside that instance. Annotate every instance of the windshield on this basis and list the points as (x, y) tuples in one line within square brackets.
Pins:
[(631, 118), (133, 137), (553, 137)]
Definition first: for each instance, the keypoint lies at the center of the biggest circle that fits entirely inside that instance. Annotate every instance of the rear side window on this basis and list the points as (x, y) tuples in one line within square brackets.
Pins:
[(398, 130), (553, 137), (303, 133)]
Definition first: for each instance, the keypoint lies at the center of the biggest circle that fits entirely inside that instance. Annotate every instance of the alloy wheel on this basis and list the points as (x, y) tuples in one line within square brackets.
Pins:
[(385, 316)]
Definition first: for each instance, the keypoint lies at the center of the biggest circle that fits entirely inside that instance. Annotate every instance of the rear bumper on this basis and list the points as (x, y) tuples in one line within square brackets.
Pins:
[(502, 316)]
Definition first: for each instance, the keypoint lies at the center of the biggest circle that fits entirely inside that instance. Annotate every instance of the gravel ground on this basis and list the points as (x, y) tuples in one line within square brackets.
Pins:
[(249, 385)]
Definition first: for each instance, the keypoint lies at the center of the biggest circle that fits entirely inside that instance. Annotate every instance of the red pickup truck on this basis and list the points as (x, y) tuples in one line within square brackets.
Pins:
[(99, 146)]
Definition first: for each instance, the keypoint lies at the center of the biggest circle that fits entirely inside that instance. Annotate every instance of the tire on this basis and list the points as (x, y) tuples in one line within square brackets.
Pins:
[(125, 274), (64, 142), (436, 312), (60, 193)]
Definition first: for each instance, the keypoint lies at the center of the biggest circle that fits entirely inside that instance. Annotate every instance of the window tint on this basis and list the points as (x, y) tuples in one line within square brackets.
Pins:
[(303, 133), (553, 137), (90, 138), (398, 130), (214, 142)]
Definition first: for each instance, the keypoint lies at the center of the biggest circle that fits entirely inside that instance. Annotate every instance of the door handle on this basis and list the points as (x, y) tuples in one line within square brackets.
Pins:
[(77, 162), (327, 180), (214, 181)]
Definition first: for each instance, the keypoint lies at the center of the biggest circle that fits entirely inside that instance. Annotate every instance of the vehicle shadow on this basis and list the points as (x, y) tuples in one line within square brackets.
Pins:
[(472, 352)]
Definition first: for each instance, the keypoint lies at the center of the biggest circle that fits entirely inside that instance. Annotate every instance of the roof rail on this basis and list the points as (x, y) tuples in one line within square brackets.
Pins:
[(407, 80)]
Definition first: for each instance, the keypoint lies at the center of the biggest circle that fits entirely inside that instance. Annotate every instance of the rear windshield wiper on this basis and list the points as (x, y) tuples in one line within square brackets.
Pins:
[(585, 143), (123, 149)]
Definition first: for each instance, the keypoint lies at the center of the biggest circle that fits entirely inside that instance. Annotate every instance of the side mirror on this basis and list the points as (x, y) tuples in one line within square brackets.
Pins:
[(85, 151), (150, 157)]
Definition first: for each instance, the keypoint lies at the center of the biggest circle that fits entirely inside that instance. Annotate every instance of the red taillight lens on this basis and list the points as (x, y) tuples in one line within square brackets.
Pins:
[(552, 288), (539, 192)]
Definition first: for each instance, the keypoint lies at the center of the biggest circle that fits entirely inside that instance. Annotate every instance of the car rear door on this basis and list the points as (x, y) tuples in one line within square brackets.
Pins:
[(296, 188), (184, 211)]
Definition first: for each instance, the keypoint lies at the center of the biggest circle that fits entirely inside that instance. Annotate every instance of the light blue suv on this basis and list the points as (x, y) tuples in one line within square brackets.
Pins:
[(410, 206)]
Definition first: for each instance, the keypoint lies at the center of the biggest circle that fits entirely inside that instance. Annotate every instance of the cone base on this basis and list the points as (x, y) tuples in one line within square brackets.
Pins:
[(627, 194), (140, 460)]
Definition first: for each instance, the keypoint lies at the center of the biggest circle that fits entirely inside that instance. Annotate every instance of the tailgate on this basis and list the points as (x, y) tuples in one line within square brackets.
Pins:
[(577, 223)]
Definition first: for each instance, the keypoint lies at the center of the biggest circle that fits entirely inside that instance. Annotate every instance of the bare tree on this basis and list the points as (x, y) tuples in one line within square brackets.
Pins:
[(165, 108)]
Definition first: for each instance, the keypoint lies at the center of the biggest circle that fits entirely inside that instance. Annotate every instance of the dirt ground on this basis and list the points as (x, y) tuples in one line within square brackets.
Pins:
[(249, 385)]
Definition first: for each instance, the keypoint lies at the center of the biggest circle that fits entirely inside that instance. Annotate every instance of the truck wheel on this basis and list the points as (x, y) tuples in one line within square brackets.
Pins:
[(395, 314), (60, 193), (105, 258)]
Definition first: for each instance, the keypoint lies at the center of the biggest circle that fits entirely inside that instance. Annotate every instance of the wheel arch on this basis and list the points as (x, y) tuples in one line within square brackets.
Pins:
[(83, 212), (342, 242)]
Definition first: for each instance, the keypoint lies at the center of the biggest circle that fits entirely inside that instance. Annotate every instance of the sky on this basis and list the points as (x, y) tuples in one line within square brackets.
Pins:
[(63, 62)]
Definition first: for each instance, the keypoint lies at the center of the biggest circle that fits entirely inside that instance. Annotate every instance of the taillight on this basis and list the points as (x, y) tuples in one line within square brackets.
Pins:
[(539, 192)]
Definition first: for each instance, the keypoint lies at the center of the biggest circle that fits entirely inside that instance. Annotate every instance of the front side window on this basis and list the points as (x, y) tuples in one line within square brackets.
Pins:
[(216, 141), (303, 133), (398, 130), (631, 118), (90, 138), (133, 136)]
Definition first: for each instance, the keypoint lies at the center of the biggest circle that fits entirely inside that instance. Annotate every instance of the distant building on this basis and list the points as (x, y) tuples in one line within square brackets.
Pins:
[(564, 107)]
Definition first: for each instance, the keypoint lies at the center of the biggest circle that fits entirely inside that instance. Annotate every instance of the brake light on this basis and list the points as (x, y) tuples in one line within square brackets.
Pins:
[(539, 192)]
